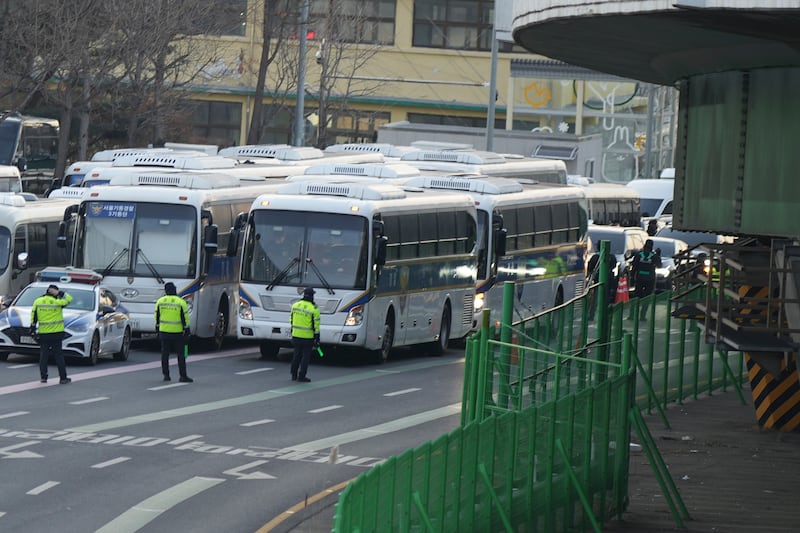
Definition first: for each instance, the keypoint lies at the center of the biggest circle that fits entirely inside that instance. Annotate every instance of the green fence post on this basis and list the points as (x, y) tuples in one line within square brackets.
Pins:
[(503, 386), (587, 508), (482, 370), (667, 338), (602, 311), (681, 360)]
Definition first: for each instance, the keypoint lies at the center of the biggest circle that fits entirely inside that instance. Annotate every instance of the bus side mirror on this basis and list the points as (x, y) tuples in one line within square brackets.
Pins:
[(69, 212), (22, 260), (500, 242), (377, 228), (61, 240), (380, 250), (210, 239), (236, 231)]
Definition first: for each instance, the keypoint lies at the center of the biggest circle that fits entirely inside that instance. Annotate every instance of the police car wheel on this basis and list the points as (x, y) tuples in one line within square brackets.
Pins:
[(124, 349), (94, 349)]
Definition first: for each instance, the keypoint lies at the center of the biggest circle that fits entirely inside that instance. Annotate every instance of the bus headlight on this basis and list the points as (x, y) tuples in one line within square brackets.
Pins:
[(479, 302), (244, 310), (355, 316)]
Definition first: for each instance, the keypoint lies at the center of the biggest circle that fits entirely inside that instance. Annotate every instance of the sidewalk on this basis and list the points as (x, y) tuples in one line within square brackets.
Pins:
[(733, 477)]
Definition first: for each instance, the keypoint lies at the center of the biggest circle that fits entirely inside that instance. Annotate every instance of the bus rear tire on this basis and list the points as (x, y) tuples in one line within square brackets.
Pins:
[(440, 346)]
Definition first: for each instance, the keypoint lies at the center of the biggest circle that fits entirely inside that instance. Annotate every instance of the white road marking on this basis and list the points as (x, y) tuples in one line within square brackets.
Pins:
[(15, 413), (181, 440), (257, 422), (111, 462), (170, 386), (2, 514), (150, 508), (23, 365), (239, 473), (89, 400), (380, 429), (399, 392), (323, 409), (252, 398), (245, 372), (43, 487)]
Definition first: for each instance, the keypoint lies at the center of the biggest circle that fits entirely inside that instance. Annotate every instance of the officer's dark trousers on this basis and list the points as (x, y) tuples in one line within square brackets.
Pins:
[(302, 355), (50, 345), (644, 287), (172, 342)]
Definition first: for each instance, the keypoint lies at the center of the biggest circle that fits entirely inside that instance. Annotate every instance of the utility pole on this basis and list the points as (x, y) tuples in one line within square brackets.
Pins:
[(299, 118)]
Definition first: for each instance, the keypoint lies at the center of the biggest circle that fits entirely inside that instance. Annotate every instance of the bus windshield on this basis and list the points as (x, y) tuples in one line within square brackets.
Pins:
[(142, 239), (306, 248), (9, 134)]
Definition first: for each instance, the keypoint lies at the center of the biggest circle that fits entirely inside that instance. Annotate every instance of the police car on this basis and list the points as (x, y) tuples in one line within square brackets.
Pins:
[(95, 323)]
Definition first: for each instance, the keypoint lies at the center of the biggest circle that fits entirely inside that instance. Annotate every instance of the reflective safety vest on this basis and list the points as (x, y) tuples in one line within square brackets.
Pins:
[(47, 312), (304, 320), (171, 313)]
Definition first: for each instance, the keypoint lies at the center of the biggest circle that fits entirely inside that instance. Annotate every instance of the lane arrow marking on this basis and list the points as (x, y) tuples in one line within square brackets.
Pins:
[(240, 474)]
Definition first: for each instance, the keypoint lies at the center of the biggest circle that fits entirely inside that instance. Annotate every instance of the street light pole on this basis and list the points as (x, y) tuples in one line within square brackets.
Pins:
[(492, 93), (299, 118)]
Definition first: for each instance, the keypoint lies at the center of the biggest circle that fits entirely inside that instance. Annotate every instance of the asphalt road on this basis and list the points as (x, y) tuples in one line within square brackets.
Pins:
[(120, 450)]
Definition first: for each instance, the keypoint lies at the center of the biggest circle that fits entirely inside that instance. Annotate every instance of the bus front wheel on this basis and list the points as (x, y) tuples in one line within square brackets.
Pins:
[(269, 350), (382, 354)]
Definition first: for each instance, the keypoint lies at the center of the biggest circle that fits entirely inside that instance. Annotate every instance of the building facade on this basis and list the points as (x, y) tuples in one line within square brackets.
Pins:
[(375, 62)]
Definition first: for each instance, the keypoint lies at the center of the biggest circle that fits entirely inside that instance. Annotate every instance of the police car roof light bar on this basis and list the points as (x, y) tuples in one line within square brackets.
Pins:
[(68, 275)]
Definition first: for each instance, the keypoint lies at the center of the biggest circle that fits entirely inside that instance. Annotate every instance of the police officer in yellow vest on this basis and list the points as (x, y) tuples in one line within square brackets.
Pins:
[(172, 324), (47, 312), (305, 333)]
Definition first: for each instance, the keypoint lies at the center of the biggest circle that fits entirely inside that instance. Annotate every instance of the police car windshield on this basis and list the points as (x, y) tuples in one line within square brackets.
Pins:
[(82, 297)]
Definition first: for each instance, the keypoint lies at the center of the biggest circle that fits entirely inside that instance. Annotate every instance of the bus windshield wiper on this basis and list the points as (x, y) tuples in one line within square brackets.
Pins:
[(150, 266), (282, 273), (114, 262), (320, 276)]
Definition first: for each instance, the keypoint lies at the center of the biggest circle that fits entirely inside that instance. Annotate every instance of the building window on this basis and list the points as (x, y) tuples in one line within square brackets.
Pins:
[(353, 21), (230, 18), (456, 24), (216, 122), (353, 126), (450, 120)]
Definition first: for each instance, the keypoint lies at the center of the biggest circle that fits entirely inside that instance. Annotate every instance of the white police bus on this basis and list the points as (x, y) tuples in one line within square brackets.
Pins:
[(28, 240), (391, 267), (533, 235), (152, 227)]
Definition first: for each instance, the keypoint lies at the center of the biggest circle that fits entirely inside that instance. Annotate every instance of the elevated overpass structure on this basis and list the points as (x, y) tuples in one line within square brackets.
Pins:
[(736, 64)]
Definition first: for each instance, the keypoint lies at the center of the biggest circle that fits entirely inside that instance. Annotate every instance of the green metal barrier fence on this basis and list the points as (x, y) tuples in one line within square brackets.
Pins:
[(558, 466), (548, 406)]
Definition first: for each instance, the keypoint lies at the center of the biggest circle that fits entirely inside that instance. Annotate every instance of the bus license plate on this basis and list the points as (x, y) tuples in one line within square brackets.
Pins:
[(25, 339)]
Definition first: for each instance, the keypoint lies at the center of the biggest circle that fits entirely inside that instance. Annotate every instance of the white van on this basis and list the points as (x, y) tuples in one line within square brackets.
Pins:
[(655, 196)]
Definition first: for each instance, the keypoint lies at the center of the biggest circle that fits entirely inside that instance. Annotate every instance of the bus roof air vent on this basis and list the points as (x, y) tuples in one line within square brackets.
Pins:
[(11, 199), (184, 180), (454, 156), (366, 170), (477, 184), (185, 161), (273, 151), (387, 150)]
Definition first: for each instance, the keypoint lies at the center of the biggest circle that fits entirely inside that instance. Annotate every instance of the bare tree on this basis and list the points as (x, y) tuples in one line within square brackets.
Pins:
[(279, 21), (346, 43), (161, 57)]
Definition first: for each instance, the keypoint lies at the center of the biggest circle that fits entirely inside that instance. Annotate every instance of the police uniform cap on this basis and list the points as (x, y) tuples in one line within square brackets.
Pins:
[(309, 291), (169, 287), (52, 287)]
